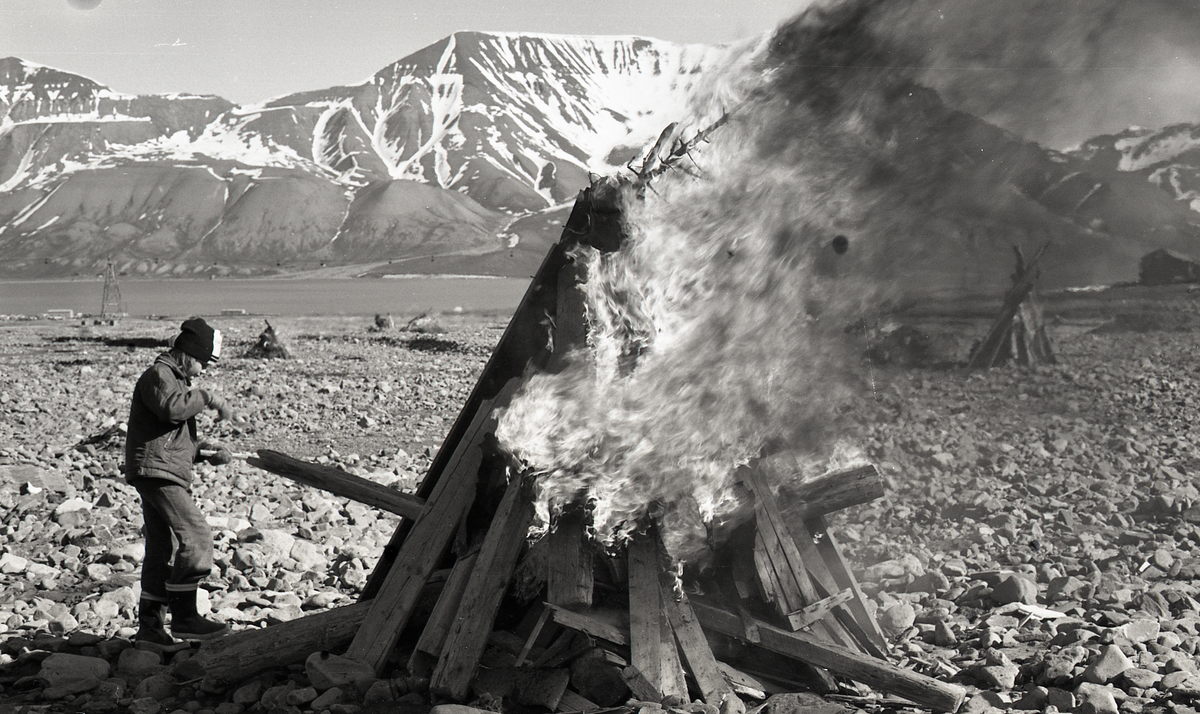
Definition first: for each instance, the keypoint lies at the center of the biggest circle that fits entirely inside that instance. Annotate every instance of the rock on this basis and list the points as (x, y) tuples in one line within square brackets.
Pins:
[(331, 696), (139, 663), (1095, 699), (75, 673), (1107, 665), (1015, 588), (1141, 630), (326, 671), (1140, 678), (158, 686), (897, 618), (801, 703), (1002, 677)]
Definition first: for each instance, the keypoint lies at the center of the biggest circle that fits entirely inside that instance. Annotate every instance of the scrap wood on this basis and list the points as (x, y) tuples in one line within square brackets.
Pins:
[(590, 623), (879, 674), (806, 616), (480, 602)]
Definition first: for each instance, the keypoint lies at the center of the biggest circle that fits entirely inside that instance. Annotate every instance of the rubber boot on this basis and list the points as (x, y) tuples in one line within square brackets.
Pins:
[(187, 623), (152, 624)]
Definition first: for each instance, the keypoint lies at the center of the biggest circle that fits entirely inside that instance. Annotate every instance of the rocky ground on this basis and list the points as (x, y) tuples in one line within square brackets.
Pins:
[(1038, 544)]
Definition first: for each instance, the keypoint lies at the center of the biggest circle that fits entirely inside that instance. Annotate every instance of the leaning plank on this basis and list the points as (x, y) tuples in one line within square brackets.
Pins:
[(651, 640), (429, 647), (339, 483), (230, 659), (477, 612), (422, 549), (879, 674), (818, 610), (569, 571), (831, 552), (695, 648)]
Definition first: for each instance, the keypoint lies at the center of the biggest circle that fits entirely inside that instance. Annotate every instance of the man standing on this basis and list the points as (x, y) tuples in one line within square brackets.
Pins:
[(160, 448)]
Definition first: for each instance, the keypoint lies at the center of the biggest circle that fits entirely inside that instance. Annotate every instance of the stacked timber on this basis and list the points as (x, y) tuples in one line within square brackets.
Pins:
[(463, 597)]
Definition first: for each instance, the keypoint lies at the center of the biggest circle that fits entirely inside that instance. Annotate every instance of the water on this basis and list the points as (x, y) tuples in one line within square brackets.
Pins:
[(278, 296)]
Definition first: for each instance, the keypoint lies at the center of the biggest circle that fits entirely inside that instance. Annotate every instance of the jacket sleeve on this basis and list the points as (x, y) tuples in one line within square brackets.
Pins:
[(169, 399)]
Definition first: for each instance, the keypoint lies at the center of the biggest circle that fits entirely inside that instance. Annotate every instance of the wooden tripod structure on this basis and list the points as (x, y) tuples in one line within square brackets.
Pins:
[(470, 518)]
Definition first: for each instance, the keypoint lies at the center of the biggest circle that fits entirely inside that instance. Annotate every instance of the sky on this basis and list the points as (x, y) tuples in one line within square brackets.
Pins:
[(251, 50)]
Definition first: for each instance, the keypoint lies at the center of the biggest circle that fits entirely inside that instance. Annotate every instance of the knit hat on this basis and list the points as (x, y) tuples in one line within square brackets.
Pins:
[(199, 340)]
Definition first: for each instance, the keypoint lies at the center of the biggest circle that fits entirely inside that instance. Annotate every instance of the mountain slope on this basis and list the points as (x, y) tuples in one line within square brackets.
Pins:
[(441, 153)]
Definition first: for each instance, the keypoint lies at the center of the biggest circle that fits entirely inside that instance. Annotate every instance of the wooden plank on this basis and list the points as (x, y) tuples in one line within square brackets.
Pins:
[(792, 559), (651, 640), (595, 220), (831, 552), (423, 548), (587, 624), (817, 611), (429, 646), (876, 673), (569, 569), (695, 648), (535, 633), (339, 483), (477, 611)]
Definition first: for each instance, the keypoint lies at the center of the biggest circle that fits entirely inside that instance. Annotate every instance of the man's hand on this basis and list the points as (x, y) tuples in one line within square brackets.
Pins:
[(214, 453), (221, 407)]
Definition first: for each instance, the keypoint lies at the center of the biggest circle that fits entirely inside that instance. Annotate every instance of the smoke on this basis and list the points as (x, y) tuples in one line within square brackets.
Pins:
[(1056, 72), (720, 331)]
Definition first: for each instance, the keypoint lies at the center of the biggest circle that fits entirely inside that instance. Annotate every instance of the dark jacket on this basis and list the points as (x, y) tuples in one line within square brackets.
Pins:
[(161, 437)]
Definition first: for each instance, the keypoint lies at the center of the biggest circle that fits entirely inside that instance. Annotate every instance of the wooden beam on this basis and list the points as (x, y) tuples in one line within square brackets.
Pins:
[(595, 220), (477, 612), (339, 483), (230, 659), (695, 648), (830, 492), (878, 674)]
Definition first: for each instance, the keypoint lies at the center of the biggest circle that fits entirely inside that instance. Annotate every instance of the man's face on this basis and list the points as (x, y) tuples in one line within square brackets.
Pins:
[(192, 367)]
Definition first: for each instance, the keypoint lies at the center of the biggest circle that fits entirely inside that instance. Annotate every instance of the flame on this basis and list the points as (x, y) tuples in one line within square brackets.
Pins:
[(718, 332)]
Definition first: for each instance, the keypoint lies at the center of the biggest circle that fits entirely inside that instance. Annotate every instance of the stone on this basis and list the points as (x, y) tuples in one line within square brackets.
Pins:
[(1095, 699), (327, 699), (249, 693), (801, 703), (70, 670), (158, 686), (1141, 630), (1107, 665), (326, 671), (1015, 588), (139, 663), (1140, 678), (301, 696), (1000, 676), (897, 618)]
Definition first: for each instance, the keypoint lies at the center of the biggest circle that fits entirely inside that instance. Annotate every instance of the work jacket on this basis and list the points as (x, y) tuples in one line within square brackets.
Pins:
[(161, 437)]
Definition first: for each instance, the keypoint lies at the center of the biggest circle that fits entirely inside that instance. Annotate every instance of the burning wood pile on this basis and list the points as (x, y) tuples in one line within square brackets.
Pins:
[(506, 580)]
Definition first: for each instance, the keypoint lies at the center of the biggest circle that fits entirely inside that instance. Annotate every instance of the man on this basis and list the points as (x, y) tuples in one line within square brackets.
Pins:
[(160, 448)]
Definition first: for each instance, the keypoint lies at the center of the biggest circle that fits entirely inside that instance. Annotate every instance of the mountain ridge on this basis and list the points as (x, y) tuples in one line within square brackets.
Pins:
[(466, 156)]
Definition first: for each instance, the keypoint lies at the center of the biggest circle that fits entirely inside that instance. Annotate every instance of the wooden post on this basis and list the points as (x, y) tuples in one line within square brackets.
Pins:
[(477, 612)]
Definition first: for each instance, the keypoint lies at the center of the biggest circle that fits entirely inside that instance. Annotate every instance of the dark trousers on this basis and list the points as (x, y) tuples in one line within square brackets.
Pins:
[(179, 549)]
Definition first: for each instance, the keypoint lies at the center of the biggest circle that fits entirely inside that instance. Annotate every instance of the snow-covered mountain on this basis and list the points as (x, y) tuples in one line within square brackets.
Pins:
[(466, 157), (473, 146)]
